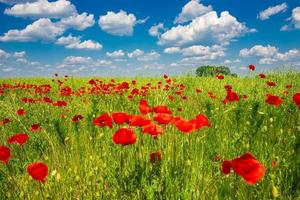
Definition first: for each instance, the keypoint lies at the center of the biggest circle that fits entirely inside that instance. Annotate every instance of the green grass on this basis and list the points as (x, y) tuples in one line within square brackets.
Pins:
[(84, 163)]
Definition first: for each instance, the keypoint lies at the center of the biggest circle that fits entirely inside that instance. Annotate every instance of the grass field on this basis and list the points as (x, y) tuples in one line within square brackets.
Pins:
[(84, 162)]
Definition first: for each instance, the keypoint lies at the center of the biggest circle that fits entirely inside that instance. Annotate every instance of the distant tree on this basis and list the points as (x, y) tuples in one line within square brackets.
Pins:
[(213, 71)]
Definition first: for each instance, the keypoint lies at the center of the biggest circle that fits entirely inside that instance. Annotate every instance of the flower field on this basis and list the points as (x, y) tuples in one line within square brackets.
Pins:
[(150, 138)]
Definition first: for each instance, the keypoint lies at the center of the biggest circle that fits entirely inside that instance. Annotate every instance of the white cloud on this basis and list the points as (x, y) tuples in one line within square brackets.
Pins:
[(20, 54), (42, 9), (208, 28), (267, 13), (152, 55), (192, 10), (71, 42), (136, 53), (296, 17), (4, 54), (79, 22), (172, 50), (40, 30), (157, 29), (120, 24), (204, 52), (77, 60), (115, 54), (269, 54), (232, 61), (82, 63)]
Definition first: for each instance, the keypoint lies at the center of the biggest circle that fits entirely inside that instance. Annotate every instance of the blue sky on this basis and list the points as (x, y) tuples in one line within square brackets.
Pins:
[(139, 37)]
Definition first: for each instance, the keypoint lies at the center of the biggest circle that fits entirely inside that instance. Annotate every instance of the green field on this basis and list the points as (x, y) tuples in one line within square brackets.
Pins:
[(84, 162)]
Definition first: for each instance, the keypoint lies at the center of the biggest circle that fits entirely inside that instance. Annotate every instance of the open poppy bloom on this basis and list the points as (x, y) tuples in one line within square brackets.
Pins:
[(296, 99), (120, 117), (4, 154), (144, 107), (251, 67), (162, 109), (124, 136), (153, 129), (262, 76), (245, 166), (20, 138), (220, 77), (155, 157), (139, 120), (21, 112), (77, 118), (273, 100), (103, 120), (38, 171), (35, 128), (231, 97), (163, 118)]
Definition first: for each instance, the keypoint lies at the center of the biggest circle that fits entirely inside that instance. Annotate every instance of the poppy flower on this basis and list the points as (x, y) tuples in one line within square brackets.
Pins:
[(247, 167), (139, 120), (289, 86), (77, 118), (4, 154), (4, 121), (124, 136), (270, 83), (144, 107), (155, 157), (231, 97), (262, 76), (120, 117), (162, 109), (163, 118), (273, 100), (152, 129), (35, 128), (20, 138), (296, 99), (200, 121), (60, 103), (38, 171), (21, 112), (226, 167), (184, 126), (103, 120), (251, 67), (220, 77)]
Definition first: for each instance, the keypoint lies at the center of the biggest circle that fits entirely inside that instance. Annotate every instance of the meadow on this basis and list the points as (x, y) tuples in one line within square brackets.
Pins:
[(84, 161)]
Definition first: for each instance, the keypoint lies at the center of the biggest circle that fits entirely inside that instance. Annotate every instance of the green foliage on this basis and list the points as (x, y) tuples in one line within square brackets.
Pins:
[(213, 71)]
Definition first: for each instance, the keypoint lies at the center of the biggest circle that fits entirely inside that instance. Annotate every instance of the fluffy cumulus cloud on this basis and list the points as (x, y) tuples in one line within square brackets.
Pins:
[(208, 28), (269, 54), (204, 52), (78, 22), (267, 13), (136, 53), (71, 42), (42, 9), (119, 24), (116, 54), (294, 20), (4, 54), (40, 30), (172, 50), (192, 10), (157, 29), (152, 55)]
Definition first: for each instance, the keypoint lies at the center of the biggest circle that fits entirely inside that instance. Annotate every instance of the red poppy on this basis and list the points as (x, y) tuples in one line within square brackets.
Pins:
[(251, 67), (120, 117), (4, 121), (200, 121), (262, 76), (273, 100), (124, 136), (35, 128), (184, 126), (77, 118), (38, 171), (296, 99), (226, 167), (139, 120), (21, 112), (4, 154), (289, 86), (220, 77), (162, 109), (249, 168), (103, 120), (153, 129), (60, 103), (144, 107), (231, 97), (20, 138), (270, 83), (155, 157), (163, 118), (198, 90)]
